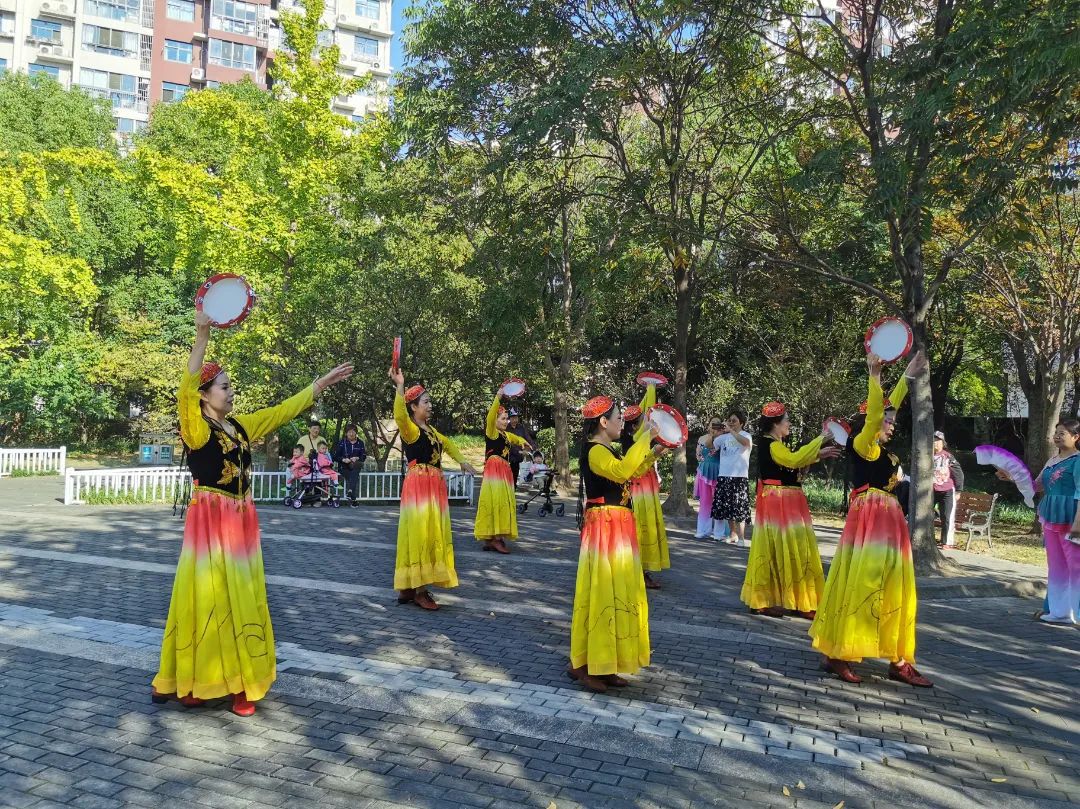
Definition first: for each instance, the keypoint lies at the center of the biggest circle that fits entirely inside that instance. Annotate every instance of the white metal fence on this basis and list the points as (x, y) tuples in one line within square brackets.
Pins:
[(160, 484), (33, 461)]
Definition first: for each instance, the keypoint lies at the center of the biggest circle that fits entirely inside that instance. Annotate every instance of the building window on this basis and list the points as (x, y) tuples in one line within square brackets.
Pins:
[(234, 16), (110, 41), (45, 30), (173, 92), (177, 51), (3, 66), (7, 24), (119, 88), (48, 70), (114, 9), (128, 126), (232, 54), (366, 48), (367, 8), (183, 10)]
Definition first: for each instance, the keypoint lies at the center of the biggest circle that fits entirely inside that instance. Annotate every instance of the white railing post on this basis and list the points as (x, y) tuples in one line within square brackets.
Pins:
[(63, 459)]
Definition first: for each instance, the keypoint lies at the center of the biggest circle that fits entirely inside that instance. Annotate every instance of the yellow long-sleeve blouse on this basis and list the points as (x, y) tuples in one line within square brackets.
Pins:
[(491, 430), (866, 442), (411, 432)]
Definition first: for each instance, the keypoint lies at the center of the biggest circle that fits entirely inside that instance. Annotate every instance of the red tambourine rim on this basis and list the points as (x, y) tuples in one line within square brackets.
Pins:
[(396, 356), (249, 304), (841, 422), (514, 380), (651, 378), (876, 325), (679, 419)]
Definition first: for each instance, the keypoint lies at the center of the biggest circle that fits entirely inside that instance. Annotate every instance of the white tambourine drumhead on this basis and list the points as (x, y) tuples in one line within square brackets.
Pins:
[(839, 429), (671, 424), (226, 299), (890, 338), (513, 388)]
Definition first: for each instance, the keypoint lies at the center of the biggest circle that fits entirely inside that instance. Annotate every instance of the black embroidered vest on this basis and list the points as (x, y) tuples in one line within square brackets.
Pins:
[(599, 490), (497, 446), (427, 449), (770, 470), (223, 463), (879, 474)]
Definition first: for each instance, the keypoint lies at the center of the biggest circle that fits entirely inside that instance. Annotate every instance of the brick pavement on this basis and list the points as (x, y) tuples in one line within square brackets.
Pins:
[(379, 705)]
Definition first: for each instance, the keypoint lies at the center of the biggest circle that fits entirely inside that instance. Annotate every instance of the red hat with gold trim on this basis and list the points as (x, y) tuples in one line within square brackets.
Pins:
[(597, 406), (773, 409), (414, 393), (865, 405), (209, 373), (632, 413)]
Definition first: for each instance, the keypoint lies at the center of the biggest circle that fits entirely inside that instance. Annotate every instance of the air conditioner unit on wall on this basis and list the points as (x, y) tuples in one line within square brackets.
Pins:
[(197, 74), (376, 65)]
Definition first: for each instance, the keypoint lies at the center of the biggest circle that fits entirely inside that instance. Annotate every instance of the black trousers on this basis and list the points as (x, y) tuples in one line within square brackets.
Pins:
[(515, 467), (943, 503), (351, 476), (903, 492)]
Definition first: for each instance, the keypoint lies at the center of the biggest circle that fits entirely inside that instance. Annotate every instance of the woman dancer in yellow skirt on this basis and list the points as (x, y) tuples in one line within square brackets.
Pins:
[(609, 631), (645, 493), (868, 609), (218, 636), (425, 543), (496, 513), (783, 571)]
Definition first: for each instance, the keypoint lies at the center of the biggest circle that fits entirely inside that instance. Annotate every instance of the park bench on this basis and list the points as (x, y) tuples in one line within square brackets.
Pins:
[(975, 513)]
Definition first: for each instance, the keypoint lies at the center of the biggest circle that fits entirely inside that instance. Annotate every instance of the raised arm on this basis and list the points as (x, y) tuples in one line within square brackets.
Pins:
[(194, 430), (866, 443), (516, 440), (490, 428), (604, 463), (647, 401)]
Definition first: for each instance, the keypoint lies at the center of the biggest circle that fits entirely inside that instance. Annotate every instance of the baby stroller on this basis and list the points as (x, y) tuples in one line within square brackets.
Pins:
[(314, 488), (540, 478)]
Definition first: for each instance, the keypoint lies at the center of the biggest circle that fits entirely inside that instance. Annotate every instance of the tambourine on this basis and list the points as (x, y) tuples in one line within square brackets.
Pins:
[(672, 426), (840, 430), (513, 387), (395, 358), (226, 299), (646, 378), (890, 338)]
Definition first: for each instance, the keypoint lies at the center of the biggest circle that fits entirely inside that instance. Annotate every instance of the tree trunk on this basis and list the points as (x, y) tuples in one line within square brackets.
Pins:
[(941, 377), (272, 444), (677, 503), (924, 548), (1044, 409)]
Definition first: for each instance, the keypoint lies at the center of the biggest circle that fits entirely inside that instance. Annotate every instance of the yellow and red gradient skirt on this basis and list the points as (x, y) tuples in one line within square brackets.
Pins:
[(784, 567), (218, 638), (609, 631), (868, 609), (425, 544), (496, 513), (651, 533)]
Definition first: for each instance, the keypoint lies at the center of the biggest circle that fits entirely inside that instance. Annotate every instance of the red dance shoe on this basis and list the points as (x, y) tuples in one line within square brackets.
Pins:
[(615, 681), (770, 612), (842, 669), (906, 673), (500, 546), (581, 674), (242, 706), (809, 615), (406, 596), (424, 600), (651, 583)]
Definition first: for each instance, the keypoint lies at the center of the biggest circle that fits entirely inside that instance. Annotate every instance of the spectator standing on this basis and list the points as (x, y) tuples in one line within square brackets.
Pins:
[(350, 455), (948, 480)]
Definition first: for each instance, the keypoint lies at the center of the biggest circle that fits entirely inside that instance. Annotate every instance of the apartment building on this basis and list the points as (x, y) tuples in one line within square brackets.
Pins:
[(137, 53)]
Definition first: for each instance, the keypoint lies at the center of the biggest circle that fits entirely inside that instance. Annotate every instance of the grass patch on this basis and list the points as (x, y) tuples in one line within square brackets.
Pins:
[(26, 473), (131, 499)]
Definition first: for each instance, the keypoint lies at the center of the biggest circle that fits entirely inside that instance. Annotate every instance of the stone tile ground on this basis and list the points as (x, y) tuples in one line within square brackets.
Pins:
[(379, 705)]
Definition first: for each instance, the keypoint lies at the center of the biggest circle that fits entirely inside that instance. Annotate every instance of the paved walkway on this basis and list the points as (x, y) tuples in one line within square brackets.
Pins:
[(378, 705)]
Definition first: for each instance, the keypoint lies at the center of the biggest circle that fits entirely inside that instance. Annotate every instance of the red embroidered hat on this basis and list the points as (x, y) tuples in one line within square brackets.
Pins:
[(773, 409), (209, 372), (631, 413), (596, 407), (414, 393), (863, 407)]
